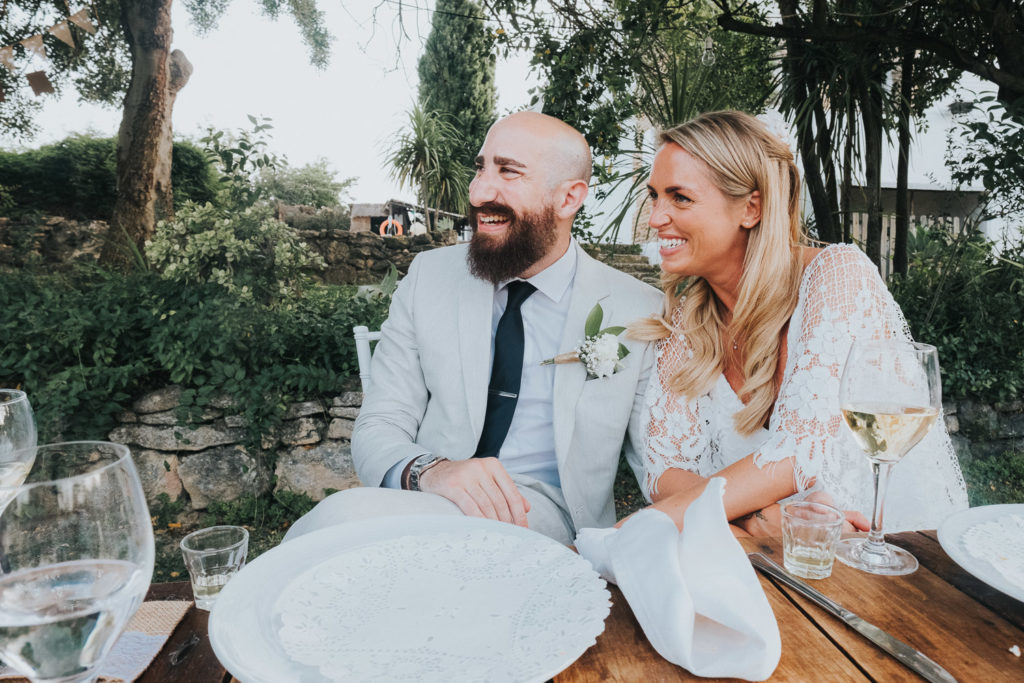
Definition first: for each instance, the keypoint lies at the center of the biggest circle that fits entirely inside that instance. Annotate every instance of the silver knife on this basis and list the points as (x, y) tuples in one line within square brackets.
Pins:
[(906, 655)]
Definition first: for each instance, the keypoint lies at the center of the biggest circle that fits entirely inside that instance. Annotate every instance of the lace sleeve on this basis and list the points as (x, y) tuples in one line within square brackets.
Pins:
[(676, 428), (842, 298)]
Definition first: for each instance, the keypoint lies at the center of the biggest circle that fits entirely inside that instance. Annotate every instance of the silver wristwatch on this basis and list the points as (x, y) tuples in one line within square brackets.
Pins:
[(421, 465)]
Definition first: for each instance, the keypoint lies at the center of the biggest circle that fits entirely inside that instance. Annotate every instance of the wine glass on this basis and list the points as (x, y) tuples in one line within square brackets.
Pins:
[(890, 395), (76, 559), (17, 435)]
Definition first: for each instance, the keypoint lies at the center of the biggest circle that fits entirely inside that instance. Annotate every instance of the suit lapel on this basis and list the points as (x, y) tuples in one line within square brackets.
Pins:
[(587, 290), (476, 300)]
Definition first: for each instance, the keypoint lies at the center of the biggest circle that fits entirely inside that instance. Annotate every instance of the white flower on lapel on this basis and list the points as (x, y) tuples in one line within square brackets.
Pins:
[(600, 350)]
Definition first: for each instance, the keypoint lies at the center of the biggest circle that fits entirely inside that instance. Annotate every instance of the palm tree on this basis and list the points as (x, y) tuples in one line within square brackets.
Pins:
[(425, 155)]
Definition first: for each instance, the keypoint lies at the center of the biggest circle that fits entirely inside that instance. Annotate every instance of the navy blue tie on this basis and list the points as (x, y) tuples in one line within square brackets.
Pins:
[(506, 372)]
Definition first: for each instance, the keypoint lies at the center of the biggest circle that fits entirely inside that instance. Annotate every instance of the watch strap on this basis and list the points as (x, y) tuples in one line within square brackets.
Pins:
[(420, 465)]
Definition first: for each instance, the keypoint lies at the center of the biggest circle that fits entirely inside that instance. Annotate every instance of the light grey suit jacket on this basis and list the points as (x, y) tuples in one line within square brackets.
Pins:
[(430, 371)]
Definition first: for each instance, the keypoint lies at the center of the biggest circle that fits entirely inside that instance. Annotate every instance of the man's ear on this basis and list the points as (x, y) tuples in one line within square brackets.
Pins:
[(752, 210), (571, 194)]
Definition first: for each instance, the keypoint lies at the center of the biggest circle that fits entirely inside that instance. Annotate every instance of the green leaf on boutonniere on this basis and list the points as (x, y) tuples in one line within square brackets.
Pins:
[(593, 325), (623, 351), (615, 330)]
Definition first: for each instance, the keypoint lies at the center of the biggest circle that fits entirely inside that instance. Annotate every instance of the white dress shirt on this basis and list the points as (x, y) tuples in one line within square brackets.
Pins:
[(529, 446)]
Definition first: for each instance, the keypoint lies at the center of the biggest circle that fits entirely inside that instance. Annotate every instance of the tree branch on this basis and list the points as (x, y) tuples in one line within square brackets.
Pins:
[(877, 34)]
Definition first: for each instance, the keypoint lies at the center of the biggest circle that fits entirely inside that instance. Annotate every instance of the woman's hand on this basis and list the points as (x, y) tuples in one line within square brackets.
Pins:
[(768, 520), (855, 521)]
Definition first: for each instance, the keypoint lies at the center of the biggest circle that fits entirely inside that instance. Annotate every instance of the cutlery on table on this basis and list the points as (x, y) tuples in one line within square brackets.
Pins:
[(906, 655)]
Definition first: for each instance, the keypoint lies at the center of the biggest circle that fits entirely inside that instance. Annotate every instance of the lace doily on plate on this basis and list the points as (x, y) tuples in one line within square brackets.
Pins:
[(477, 605), (1000, 542)]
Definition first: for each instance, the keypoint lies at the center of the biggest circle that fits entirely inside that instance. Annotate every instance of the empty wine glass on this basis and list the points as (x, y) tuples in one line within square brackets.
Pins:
[(890, 395), (76, 559), (17, 435)]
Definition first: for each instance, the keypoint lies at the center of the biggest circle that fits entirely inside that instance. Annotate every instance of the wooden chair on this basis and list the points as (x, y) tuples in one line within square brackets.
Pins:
[(363, 337)]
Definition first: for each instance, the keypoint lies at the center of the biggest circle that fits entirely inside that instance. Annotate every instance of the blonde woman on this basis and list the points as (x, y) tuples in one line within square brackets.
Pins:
[(753, 338)]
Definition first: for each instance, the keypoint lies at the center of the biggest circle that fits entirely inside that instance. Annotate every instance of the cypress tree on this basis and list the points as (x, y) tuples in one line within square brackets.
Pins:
[(457, 73)]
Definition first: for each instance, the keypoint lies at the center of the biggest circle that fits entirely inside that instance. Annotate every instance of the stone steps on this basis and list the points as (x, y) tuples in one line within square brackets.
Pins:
[(631, 264)]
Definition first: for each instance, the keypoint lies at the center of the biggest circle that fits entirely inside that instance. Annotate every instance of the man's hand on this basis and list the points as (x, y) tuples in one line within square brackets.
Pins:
[(480, 487)]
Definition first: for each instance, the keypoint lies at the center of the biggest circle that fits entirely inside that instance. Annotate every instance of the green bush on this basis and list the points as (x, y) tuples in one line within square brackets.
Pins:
[(967, 300), (310, 185), (996, 480), (84, 344), (247, 251), (77, 177), (326, 220)]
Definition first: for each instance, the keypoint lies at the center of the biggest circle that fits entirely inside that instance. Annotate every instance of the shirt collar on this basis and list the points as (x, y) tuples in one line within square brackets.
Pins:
[(553, 281)]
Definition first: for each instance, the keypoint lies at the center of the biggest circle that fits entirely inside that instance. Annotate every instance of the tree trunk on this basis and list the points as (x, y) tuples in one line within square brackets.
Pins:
[(823, 217), (899, 248), (828, 166), (871, 110), (847, 182), (144, 141)]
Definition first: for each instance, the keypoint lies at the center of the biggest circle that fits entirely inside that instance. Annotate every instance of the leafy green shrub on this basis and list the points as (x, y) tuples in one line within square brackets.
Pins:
[(84, 344), (996, 480), (969, 302), (246, 251), (77, 177), (326, 219), (310, 185), (275, 510)]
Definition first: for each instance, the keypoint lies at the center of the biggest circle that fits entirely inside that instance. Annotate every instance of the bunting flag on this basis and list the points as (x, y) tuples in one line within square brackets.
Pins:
[(39, 82), (7, 58), (34, 45), (81, 20), (63, 33)]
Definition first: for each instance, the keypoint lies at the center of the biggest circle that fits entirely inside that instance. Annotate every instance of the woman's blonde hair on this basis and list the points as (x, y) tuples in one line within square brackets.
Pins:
[(743, 157)]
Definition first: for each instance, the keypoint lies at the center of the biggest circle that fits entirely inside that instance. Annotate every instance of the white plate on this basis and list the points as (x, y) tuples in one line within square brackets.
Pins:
[(410, 598), (951, 534)]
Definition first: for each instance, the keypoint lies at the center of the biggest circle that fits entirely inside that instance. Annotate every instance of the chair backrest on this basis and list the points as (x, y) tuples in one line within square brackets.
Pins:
[(363, 337)]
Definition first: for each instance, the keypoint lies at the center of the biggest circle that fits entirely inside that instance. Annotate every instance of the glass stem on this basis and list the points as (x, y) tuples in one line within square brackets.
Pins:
[(876, 539)]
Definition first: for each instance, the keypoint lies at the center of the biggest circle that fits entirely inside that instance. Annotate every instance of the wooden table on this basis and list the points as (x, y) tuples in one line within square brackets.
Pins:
[(958, 621)]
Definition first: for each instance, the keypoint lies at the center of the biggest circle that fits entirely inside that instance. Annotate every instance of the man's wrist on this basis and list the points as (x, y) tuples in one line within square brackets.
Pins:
[(415, 469)]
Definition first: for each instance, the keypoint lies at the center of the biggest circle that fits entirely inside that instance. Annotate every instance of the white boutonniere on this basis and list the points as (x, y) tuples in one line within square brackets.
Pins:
[(600, 350)]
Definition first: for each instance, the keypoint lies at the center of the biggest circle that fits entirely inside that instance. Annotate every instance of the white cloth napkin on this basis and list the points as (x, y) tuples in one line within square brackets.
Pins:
[(694, 593)]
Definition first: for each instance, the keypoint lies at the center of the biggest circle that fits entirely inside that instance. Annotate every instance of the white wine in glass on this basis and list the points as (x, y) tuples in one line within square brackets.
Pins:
[(890, 395), (76, 559)]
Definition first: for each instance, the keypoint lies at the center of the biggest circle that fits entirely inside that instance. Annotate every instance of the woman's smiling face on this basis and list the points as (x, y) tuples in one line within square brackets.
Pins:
[(703, 231)]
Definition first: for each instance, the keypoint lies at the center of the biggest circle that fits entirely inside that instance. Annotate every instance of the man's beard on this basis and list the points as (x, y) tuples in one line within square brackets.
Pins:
[(527, 240)]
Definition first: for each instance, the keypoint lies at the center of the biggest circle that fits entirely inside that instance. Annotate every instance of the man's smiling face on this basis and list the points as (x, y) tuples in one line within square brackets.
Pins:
[(510, 203)]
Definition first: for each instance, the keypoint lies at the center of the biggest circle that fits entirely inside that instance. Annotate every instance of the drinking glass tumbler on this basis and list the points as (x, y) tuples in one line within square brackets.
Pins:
[(213, 556), (810, 533)]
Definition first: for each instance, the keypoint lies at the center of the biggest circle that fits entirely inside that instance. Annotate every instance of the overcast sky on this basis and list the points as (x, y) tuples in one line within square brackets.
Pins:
[(252, 65)]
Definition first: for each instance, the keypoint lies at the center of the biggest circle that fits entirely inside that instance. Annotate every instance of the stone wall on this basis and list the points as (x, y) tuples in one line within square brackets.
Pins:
[(352, 258), (365, 258), (983, 430), (54, 241), (207, 462)]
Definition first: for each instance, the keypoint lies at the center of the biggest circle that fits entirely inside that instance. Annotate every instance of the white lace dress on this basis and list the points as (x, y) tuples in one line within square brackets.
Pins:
[(842, 298)]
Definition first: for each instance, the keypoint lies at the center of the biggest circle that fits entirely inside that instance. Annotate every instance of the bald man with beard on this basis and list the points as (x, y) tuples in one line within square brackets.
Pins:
[(425, 440)]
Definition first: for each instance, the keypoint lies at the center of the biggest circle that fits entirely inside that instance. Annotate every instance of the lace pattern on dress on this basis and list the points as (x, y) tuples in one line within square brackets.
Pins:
[(842, 298)]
